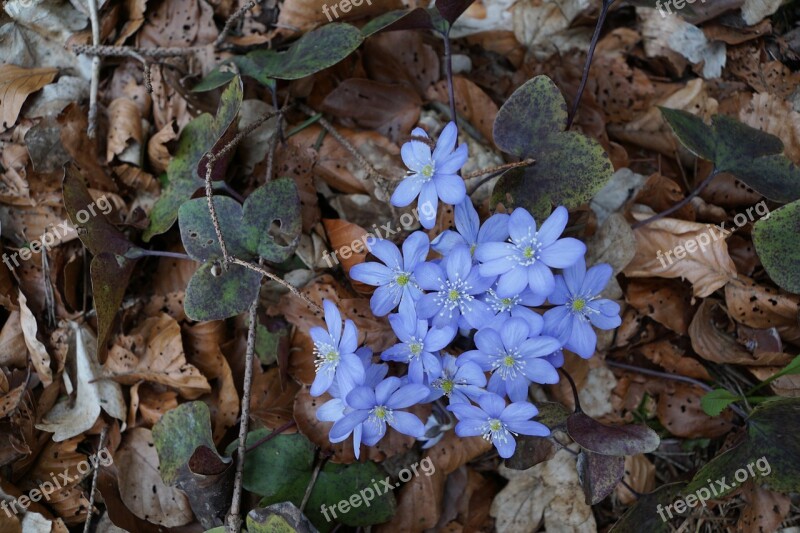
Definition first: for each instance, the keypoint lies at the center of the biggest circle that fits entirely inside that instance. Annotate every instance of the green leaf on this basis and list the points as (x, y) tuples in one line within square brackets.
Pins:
[(215, 294), (778, 247), (715, 401), (400, 19), (752, 155), (178, 434), (197, 230), (570, 167), (199, 136), (274, 203), (281, 469), (691, 131), (278, 518), (215, 79), (313, 52), (770, 448), (643, 515)]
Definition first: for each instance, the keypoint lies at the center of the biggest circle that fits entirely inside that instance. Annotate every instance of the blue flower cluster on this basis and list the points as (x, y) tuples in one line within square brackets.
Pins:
[(489, 279)]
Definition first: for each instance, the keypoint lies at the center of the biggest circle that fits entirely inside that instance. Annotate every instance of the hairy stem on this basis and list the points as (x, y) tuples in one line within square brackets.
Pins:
[(448, 66)]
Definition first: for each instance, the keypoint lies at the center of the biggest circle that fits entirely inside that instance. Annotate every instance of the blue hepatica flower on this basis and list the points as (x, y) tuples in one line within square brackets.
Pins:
[(395, 278), (458, 383), (417, 345), (516, 307), (497, 422), (454, 283), (527, 259), (336, 407), (374, 408), (516, 356), (335, 351), (432, 176), (470, 232), (580, 308)]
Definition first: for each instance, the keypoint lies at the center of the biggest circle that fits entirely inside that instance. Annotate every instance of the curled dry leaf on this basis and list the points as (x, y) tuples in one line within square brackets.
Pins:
[(347, 247), (764, 509), (668, 302), (36, 350), (13, 350), (714, 338), (549, 492), (125, 134), (68, 499), (16, 83), (672, 358), (708, 268), (640, 475), (71, 417), (272, 400)]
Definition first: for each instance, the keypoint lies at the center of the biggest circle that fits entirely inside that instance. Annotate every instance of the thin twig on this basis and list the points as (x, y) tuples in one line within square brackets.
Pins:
[(588, 65), (234, 522), (499, 168), (312, 482), (266, 438), (674, 377), (264, 272), (680, 204), (100, 446), (232, 20), (128, 51), (574, 390), (94, 17)]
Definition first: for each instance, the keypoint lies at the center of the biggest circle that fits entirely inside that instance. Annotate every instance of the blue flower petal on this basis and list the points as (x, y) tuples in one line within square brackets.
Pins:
[(386, 388), (450, 188), (540, 278), (467, 221), (385, 299), (518, 411), (521, 226), (446, 241), (495, 228), (517, 388), (406, 396), (406, 191), (387, 252), (471, 427), (596, 279), (558, 323), (492, 404), (349, 341), (452, 163), (429, 305), (561, 293), (437, 338), (513, 282), (429, 276), (415, 154), (563, 253), (553, 227), (583, 339), (371, 273), (505, 444), (407, 424), (343, 427), (458, 264), (540, 371), (331, 411), (415, 250), (333, 319), (528, 428), (476, 313), (427, 205), (323, 380), (446, 141), (493, 251), (514, 332)]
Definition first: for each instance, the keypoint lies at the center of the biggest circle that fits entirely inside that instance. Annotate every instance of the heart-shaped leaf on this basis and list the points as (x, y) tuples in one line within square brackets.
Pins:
[(199, 136), (313, 52), (752, 155), (770, 449), (570, 167), (271, 215), (630, 439), (214, 293), (778, 247)]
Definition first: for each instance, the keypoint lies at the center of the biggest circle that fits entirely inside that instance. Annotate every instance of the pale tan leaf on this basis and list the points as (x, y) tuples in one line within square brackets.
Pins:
[(38, 353), (16, 84)]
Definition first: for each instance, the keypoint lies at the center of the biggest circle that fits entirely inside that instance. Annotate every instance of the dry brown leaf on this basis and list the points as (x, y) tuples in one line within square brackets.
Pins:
[(788, 386), (154, 352), (402, 57), (419, 505), (680, 412), (348, 248), (640, 475), (125, 131), (471, 102), (157, 153), (774, 115), (272, 401), (668, 302), (141, 486), (669, 356), (150, 404), (661, 193), (713, 337), (549, 492), (298, 16), (764, 509), (16, 84), (763, 307), (708, 269), (36, 350), (390, 109), (13, 350)]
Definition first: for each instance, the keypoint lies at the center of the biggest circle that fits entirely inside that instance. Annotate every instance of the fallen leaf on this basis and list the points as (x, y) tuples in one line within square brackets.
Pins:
[(16, 84)]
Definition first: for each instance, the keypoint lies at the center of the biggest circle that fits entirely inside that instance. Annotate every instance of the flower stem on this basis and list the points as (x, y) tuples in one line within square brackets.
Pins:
[(448, 65)]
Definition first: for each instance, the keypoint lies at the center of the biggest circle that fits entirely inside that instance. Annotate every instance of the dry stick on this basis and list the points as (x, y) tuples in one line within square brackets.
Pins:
[(294, 290), (380, 179), (232, 20), (94, 16), (270, 436), (100, 446), (499, 168), (234, 522), (680, 204), (588, 65), (312, 482)]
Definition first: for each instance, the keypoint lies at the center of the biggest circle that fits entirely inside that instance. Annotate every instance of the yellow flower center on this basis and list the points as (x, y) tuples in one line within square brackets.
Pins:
[(528, 252), (447, 386), (578, 305), (416, 348), (495, 425), (453, 295), (380, 412), (403, 279), (427, 171), (332, 355), (508, 360)]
